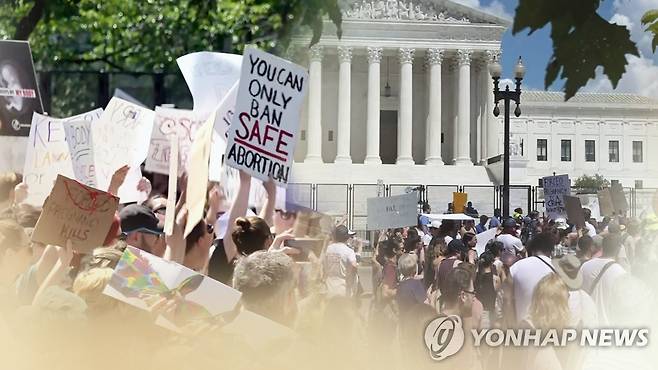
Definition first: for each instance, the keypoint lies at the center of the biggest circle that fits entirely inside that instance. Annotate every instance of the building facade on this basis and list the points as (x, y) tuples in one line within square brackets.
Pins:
[(405, 96)]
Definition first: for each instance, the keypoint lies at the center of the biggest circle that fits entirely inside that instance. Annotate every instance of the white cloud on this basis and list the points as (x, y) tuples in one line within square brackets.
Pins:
[(641, 72), (495, 7)]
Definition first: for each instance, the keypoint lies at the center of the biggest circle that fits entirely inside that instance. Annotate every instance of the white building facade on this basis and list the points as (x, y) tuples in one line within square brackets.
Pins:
[(405, 96)]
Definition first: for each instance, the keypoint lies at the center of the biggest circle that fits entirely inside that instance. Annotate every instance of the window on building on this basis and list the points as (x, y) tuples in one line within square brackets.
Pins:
[(565, 150), (542, 150), (613, 151), (590, 151), (637, 152)]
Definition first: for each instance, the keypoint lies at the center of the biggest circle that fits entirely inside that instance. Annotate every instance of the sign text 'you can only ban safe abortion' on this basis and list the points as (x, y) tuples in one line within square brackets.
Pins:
[(264, 129)]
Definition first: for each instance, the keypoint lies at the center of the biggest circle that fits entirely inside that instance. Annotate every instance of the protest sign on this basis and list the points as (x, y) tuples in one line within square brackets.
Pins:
[(391, 212), (47, 155), (76, 212), (555, 188), (209, 77), (170, 214), (147, 282), (197, 175), (483, 238), (127, 97), (121, 137), (19, 93), (78, 137), (223, 119), (605, 202), (168, 122), (619, 201), (263, 133), (574, 210), (459, 202)]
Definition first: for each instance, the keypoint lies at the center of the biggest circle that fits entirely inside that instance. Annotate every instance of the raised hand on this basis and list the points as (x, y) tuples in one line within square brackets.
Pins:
[(117, 180)]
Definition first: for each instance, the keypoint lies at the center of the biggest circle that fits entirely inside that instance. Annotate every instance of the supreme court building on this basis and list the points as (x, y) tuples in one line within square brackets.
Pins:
[(405, 96)]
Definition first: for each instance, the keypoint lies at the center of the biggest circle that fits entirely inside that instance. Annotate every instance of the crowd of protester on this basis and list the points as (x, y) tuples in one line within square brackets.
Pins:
[(316, 313)]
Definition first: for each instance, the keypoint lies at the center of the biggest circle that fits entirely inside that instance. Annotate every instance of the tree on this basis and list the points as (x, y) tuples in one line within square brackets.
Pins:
[(590, 184), (582, 40), (138, 35)]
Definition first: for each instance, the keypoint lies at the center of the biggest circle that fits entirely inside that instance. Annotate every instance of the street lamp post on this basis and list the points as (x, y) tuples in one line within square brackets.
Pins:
[(495, 70)]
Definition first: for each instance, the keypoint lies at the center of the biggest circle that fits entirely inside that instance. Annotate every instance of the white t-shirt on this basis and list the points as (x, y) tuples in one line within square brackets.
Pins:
[(526, 274), (338, 259), (601, 294), (583, 309), (591, 230), (510, 243), (447, 239)]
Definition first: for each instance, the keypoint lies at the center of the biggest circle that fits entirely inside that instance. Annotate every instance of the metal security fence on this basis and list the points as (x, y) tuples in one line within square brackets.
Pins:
[(349, 201)]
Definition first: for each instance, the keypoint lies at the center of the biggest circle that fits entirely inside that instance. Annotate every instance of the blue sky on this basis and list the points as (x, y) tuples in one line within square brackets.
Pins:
[(536, 49)]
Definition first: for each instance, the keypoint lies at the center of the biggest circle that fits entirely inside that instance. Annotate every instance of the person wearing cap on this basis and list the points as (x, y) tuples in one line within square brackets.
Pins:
[(581, 305), (339, 263), (511, 243), (482, 226), (617, 229), (141, 229)]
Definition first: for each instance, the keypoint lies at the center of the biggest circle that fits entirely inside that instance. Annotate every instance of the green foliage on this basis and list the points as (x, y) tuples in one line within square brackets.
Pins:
[(650, 19), (148, 35), (590, 184), (582, 40)]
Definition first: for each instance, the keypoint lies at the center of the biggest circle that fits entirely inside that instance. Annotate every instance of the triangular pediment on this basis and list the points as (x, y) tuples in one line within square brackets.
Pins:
[(439, 11)]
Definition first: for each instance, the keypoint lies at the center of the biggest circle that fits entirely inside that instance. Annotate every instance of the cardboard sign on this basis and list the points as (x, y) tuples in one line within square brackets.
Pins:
[(121, 137), (171, 189), (459, 202), (169, 122), (619, 201), (209, 77), (574, 209), (144, 281), (265, 125), (81, 148), (391, 212), (47, 155), (19, 92), (197, 173), (223, 119), (555, 188), (605, 202), (77, 212)]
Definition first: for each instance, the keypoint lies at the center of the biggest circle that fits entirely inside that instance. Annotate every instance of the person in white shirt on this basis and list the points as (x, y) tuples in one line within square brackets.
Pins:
[(599, 275), (339, 263), (511, 243), (527, 273)]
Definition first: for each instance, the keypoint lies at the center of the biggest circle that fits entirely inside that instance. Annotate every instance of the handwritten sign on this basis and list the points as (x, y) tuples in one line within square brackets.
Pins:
[(263, 132), (47, 155), (121, 137), (223, 119), (390, 212), (209, 77), (77, 212), (555, 188), (168, 121), (78, 137), (459, 202)]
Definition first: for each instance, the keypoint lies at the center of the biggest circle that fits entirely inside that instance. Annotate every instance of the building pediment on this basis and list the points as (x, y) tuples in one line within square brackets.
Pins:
[(437, 11)]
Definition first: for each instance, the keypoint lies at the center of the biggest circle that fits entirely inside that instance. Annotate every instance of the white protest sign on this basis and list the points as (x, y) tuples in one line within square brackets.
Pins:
[(483, 238), (80, 142), (209, 77), (391, 212), (223, 119), (555, 187), (263, 133), (47, 156), (121, 137), (168, 122)]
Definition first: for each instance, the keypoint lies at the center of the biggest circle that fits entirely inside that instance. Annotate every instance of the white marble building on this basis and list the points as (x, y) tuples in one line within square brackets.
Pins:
[(405, 96)]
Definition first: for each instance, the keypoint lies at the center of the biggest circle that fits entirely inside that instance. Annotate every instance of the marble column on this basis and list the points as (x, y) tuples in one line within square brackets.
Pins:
[(344, 99), (373, 106), (433, 150), (464, 110), (314, 129), (491, 120), (405, 127)]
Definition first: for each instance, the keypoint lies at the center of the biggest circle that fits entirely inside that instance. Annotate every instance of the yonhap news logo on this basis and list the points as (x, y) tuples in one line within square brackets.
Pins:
[(444, 337)]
